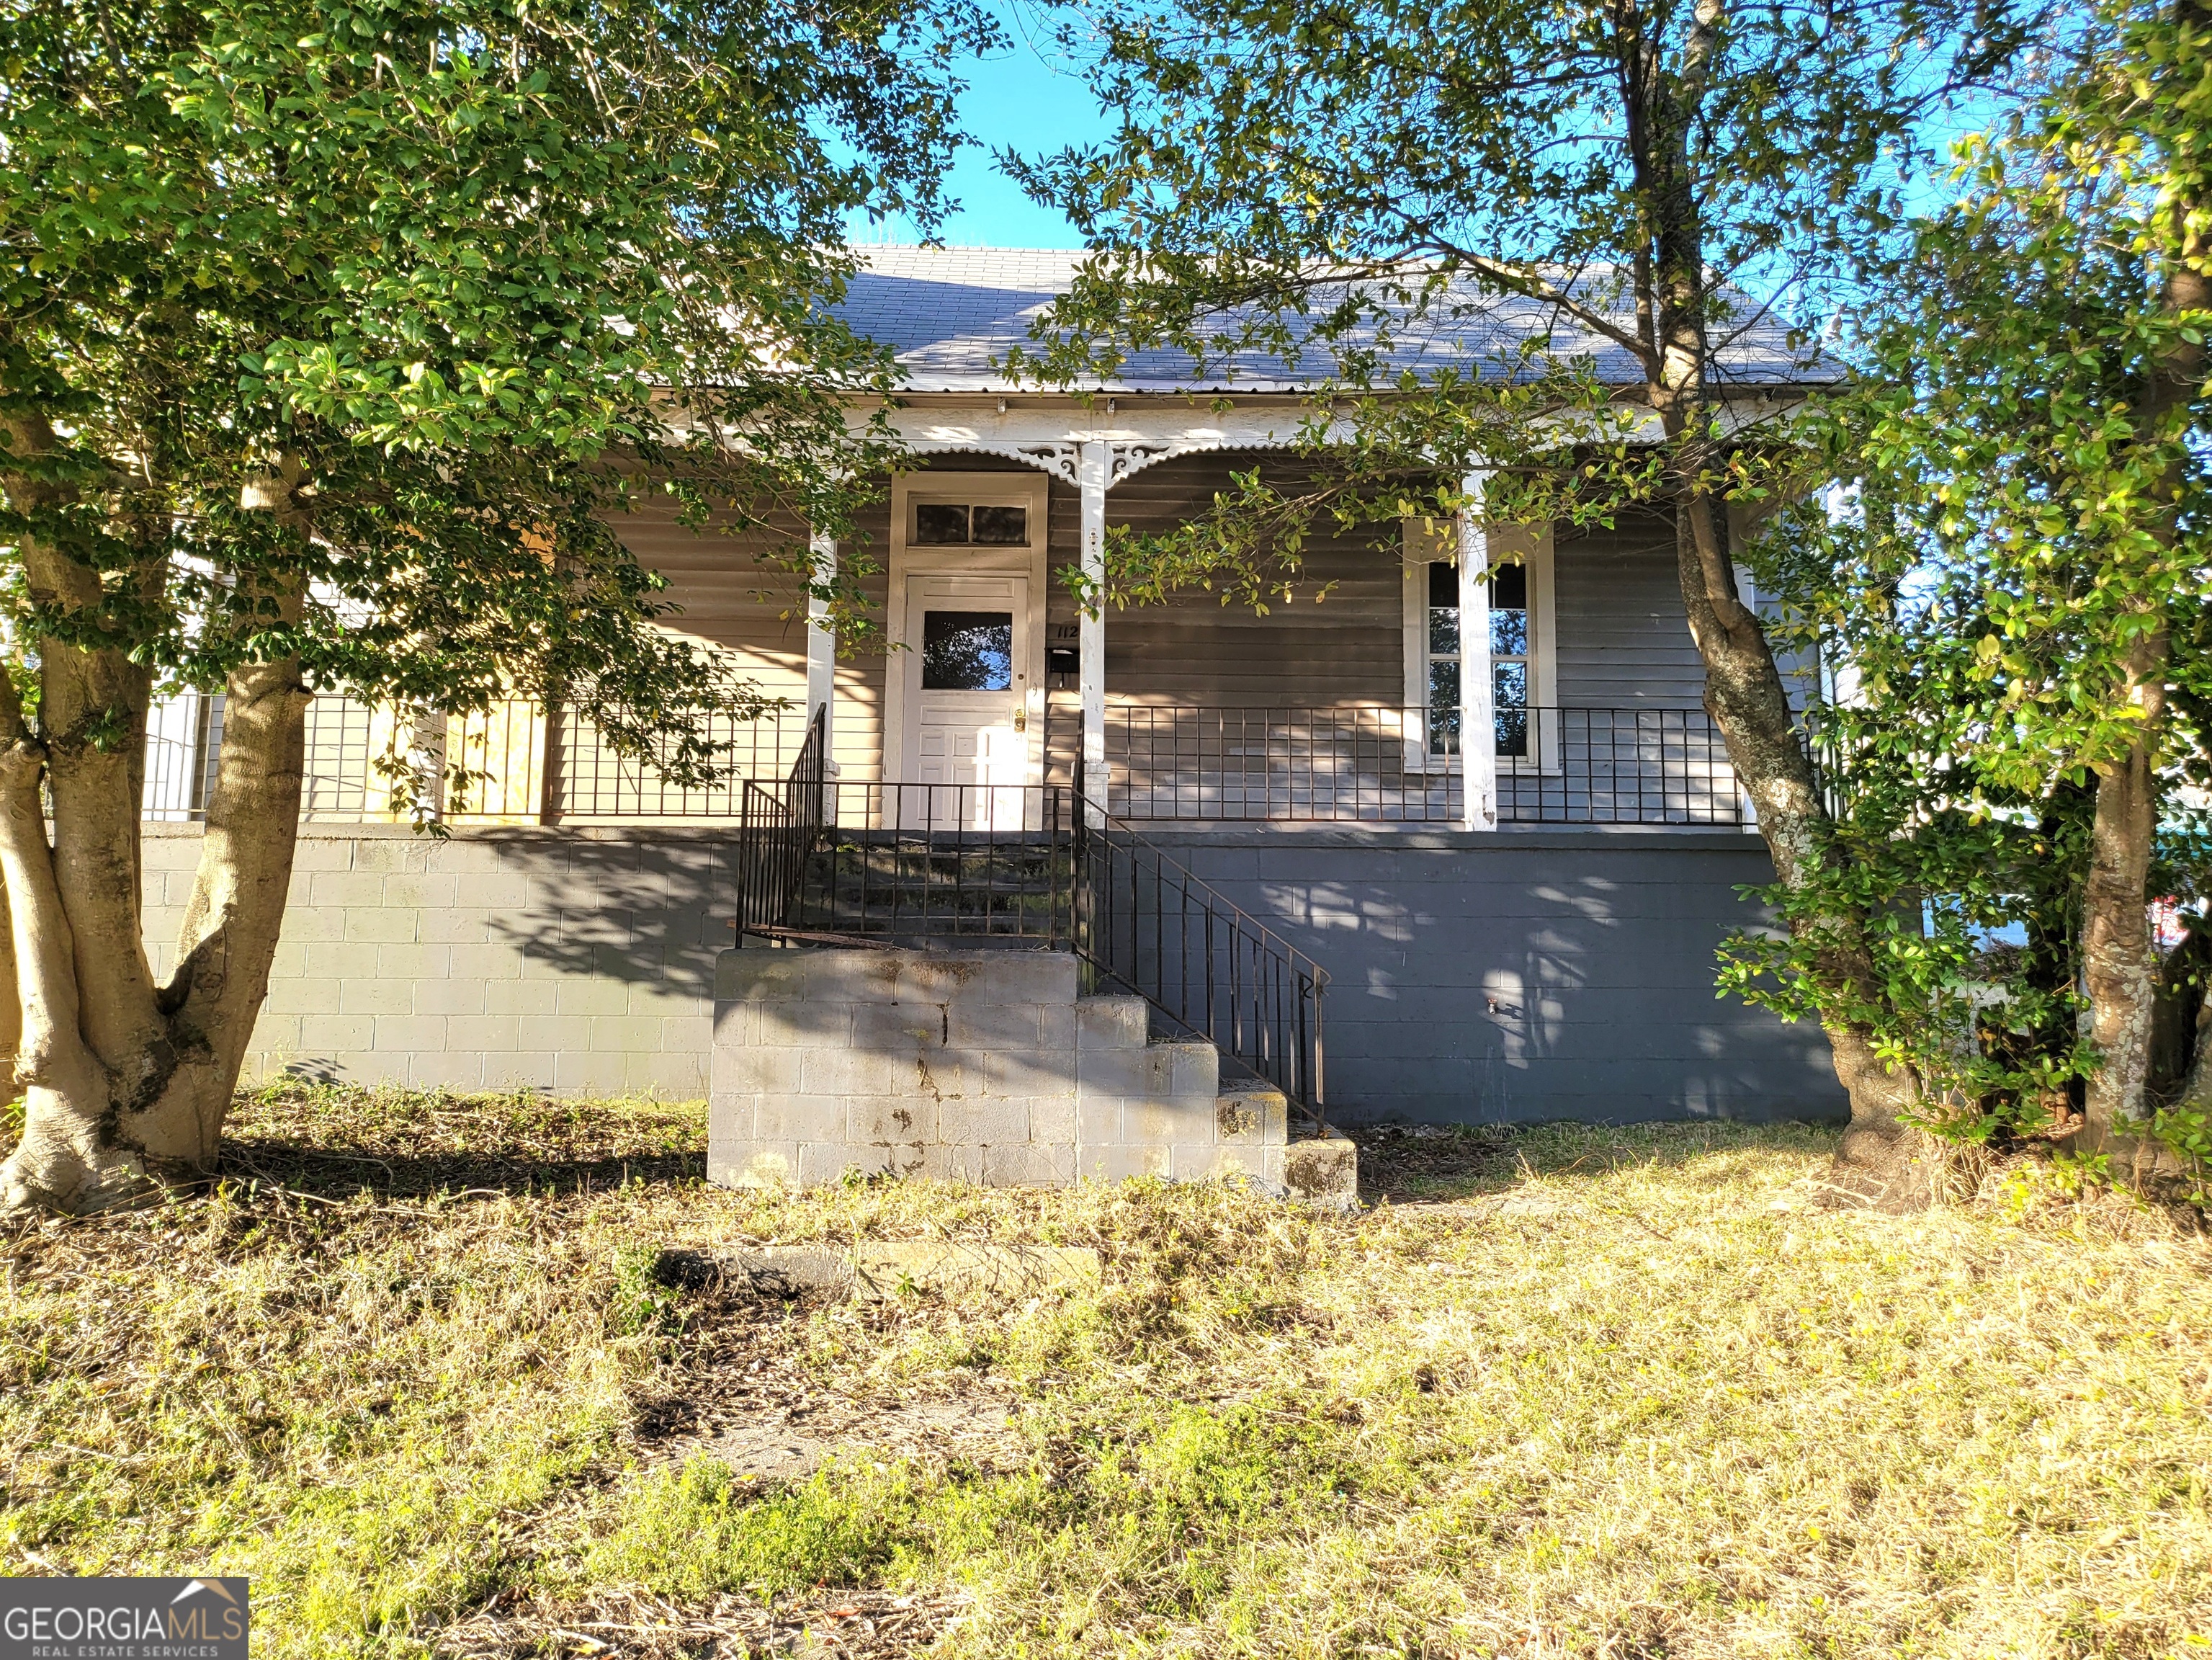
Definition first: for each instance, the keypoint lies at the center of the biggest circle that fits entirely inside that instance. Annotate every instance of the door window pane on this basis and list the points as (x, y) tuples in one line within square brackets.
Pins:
[(967, 651)]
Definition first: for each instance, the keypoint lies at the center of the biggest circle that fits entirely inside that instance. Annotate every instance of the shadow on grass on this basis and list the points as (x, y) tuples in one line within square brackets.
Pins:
[(1417, 1163), (336, 1140)]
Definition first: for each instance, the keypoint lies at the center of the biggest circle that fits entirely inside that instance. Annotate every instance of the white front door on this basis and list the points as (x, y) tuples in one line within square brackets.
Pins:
[(967, 699)]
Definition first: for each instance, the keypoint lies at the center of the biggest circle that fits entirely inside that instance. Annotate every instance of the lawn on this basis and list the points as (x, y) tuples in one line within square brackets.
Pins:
[(452, 1376)]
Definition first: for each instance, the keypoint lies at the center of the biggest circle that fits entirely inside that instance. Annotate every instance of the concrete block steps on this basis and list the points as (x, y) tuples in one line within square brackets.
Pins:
[(983, 1065)]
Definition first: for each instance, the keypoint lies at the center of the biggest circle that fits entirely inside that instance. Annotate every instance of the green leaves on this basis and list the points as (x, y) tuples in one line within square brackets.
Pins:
[(473, 266), (2016, 586)]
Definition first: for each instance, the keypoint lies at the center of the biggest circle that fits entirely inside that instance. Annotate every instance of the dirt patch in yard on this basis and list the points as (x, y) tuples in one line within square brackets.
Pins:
[(746, 1396), (1406, 1163)]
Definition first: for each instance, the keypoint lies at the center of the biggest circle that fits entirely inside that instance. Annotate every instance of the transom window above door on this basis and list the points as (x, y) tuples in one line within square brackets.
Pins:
[(969, 524)]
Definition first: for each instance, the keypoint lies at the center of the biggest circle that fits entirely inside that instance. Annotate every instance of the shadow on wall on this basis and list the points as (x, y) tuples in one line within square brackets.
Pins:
[(1497, 987), (640, 913)]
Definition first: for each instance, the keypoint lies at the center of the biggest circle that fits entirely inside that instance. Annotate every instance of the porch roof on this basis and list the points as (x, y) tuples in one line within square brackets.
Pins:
[(950, 313)]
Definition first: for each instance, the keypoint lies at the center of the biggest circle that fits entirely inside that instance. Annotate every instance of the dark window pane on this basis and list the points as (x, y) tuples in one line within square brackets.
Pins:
[(939, 523), (1509, 633), (967, 651), (1444, 686), (1510, 693), (1444, 709), (1444, 731), (1443, 632), (1512, 729), (1002, 526), (1509, 588), (1443, 584)]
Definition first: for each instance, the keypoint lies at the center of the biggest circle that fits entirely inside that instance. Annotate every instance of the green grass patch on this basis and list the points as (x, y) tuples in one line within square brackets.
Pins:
[(693, 1530), (1628, 1392)]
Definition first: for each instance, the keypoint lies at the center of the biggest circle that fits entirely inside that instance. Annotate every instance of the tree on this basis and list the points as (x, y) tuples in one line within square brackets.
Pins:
[(2022, 593), (333, 333), (1632, 167)]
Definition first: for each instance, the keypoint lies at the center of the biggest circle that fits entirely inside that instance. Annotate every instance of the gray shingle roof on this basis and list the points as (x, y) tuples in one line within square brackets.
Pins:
[(950, 313)]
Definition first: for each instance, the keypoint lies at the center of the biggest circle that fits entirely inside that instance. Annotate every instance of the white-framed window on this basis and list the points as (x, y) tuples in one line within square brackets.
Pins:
[(1522, 671)]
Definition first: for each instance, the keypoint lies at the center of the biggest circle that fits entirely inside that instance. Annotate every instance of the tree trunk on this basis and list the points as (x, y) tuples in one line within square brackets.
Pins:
[(232, 921), (1881, 1162), (2119, 962), (11, 1010), (126, 1082), (2120, 969)]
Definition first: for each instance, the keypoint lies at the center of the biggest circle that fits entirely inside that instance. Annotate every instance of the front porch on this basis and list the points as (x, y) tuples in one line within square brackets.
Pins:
[(1527, 936)]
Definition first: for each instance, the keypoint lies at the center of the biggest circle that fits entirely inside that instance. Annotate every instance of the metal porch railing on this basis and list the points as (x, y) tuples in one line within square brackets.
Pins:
[(913, 864), (1167, 763), (1375, 763), (523, 767)]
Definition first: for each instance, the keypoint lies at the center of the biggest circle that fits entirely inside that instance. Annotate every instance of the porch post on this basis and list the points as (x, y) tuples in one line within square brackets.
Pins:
[(1478, 717), (822, 644), (1091, 474)]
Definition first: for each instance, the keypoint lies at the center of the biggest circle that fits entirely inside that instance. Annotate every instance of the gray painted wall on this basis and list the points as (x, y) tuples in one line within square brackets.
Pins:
[(583, 961), (1622, 636), (1526, 974)]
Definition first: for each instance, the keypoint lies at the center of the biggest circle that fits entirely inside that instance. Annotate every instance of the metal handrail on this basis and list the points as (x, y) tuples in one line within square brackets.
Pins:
[(894, 862), (777, 835), (891, 863), (1201, 960)]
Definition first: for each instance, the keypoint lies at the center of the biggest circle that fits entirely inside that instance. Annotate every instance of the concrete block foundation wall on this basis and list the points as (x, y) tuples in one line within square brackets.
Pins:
[(1524, 975), (579, 961), (1527, 974)]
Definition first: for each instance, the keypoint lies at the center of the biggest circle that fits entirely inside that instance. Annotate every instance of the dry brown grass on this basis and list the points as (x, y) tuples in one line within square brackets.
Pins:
[(433, 1383)]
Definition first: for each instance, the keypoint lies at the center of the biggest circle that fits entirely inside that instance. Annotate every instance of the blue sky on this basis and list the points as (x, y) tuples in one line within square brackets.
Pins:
[(1027, 99)]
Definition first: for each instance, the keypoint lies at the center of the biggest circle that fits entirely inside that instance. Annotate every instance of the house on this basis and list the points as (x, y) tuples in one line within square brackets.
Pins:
[(1518, 928)]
